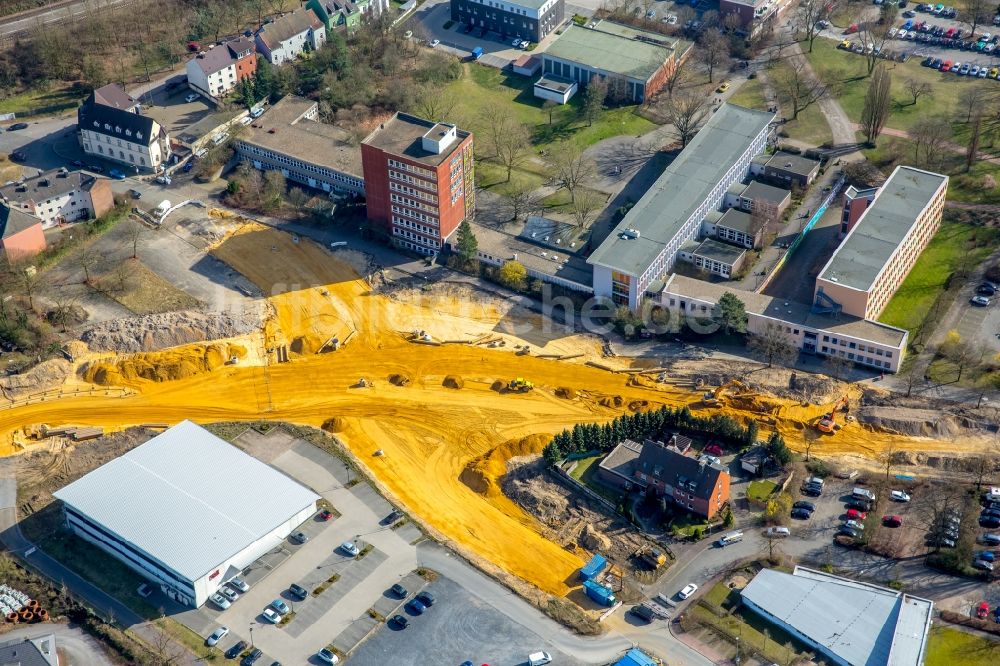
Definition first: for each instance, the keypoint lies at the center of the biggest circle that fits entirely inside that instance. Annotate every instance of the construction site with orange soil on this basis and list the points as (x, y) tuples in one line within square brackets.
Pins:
[(422, 386)]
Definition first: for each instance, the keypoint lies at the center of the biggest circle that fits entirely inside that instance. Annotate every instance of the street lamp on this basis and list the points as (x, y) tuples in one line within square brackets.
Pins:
[(251, 635), (737, 650)]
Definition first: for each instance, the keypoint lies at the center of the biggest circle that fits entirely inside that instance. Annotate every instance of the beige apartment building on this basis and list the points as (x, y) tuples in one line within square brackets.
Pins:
[(881, 248)]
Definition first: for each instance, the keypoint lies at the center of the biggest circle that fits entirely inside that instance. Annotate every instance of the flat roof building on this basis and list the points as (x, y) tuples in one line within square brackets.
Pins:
[(641, 59), (162, 510), (787, 169), (529, 20), (861, 341), (851, 623), (882, 246), (643, 247), (290, 138)]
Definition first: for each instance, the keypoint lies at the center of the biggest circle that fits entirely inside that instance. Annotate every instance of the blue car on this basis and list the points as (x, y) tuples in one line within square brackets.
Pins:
[(416, 607), (280, 606), (116, 174), (986, 555)]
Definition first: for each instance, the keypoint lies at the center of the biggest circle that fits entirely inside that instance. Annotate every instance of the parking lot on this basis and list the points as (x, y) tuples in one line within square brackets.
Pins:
[(359, 583), (167, 106)]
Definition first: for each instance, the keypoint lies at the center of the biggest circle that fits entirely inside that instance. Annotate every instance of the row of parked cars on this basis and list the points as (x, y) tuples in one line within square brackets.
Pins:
[(983, 293)]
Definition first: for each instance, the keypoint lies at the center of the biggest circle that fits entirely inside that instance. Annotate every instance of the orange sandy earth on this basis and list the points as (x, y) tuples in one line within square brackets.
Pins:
[(440, 445)]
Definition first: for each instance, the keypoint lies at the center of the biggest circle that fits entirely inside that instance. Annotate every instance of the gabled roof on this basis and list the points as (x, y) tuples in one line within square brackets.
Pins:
[(117, 123), (167, 499), (13, 221), (289, 25), (112, 95), (667, 464), (46, 185), (857, 622), (29, 651), (223, 55)]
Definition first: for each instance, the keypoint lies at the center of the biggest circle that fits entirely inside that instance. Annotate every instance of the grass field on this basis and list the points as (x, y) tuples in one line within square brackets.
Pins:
[(760, 490), (750, 95), (947, 646), (35, 100), (583, 466), (953, 245), (811, 126), (848, 73)]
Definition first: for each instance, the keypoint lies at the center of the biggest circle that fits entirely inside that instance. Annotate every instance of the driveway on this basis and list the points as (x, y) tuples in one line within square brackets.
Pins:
[(75, 646)]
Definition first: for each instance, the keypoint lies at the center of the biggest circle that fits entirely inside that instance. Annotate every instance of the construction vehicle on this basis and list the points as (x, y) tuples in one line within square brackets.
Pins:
[(521, 385), (829, 421), (653, 557), (714, 398)]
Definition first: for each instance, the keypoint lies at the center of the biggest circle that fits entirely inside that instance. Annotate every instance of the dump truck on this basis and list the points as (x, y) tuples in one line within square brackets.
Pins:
[(520, 385)]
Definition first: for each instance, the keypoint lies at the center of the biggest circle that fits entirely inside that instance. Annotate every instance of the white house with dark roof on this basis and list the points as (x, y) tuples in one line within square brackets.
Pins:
[(216, 72), (122, 135), (290, 35)]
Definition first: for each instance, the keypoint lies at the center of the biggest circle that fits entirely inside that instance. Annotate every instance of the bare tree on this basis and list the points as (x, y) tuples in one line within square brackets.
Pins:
[(571, 166), (984, 466), (677, 75), (971, 100), (772, 344), (764, 221), (873, 35), (877, 99), (910, 375), (930, 137), (972, 144), (123, 275), (27, 279), (799, 89), (135, 231), (977, 13), (714, 51), (519, 197), (87, 259), (549, 106), (687, 113), (918, 89), (435, 101), (838, 366), (62, 309), (809, 14), (585, 206), (888, 456), (507, 141)]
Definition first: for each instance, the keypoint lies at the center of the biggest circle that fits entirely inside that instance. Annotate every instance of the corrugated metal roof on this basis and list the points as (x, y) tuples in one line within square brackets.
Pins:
[(188, 499), (881, 229), (862, 624)]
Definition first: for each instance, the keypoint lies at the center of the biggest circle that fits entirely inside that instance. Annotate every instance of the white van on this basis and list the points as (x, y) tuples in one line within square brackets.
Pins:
[(993, 495), (777, 532), (539, 658), (863, 493), (730, 538)]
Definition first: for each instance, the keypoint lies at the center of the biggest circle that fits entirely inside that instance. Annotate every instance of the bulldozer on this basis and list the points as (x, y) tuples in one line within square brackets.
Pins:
[(714, 398), (652, 557), (828, 423), (521, 385)]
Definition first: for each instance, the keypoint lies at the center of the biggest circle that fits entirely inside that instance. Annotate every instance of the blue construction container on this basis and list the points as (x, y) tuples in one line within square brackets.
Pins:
[(599, 593), (593, 568)]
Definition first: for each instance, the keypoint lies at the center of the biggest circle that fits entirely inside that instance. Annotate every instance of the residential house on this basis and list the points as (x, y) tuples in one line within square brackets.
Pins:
[(60, 196), (289, 36), (121, 134), (696, 485), (714, 257), (786, 169), (38, 650), (21, 234), (217, 71), (346, 14), (290, 138), (636, 63), (529, 20), (758, 196), (112, 95), (734, 226), (755, 16)]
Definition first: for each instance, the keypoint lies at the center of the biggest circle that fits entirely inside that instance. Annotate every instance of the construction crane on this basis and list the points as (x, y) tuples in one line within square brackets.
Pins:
[(829, 421), (714, 398)]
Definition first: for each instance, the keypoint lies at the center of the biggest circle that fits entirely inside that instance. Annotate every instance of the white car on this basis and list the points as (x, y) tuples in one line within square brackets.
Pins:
[(524, 44), (672, 20), (350, 548), (435, 42), (899, 496), (854, 525), (190, 98), (327, 656), (777, 532), (271, 615), (239, 584), (163, 180), (539, 659), (891, 33), (688, 590), (217, 636), (220, 601)]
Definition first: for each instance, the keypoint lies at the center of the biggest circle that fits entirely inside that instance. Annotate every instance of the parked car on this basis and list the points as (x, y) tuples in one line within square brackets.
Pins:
[(434, 43), (723, 88), (983, 610), (394, 516), (714, 450), (216, 636), (17, 126), (990, 522), (190, 98), (235, 650), (280, 606), (116, 174), (416, 606), (297, 591), (980, 301), (803, 504), (229, 593), (986, 289), (899, 496), (855, 525), (220, 601), (983, 565), (251, 658), (812, 491), (892, 521), (18, 156), (350, 548), (239, 584), (777, 532), (858, 503), (398, 590), (299, 537), (987, 555), (400, 621), (854, 514), (688, 590), (426, 598), (271, 615), (327, 656), (326, 515), (847, 531), (163, 180), (944, 542), (801, 514)]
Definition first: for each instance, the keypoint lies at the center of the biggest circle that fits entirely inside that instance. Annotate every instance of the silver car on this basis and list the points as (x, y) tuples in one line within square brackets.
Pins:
[(228, 593), (239, 584), (217, 636), (220, 601)]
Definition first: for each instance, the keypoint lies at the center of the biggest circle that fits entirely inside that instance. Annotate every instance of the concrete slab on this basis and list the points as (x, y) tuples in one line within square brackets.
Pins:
[(355, 633), (265, 447)]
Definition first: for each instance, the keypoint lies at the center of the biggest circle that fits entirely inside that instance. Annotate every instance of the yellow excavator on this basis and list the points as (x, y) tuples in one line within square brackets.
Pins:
[(521, 385), (714, 398), (829, 421)]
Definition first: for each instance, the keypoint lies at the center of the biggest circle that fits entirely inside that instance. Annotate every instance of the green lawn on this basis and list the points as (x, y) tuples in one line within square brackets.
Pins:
[(848, 73), (35, 100), (583, 466), (760, 490), (750, 95), (483, 87), (947, 646), (954, 244), (811, 126), (718, 595), (749, 629)]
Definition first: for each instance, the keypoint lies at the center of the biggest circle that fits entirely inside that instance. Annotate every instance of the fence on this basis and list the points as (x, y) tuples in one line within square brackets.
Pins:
[(42, 396)]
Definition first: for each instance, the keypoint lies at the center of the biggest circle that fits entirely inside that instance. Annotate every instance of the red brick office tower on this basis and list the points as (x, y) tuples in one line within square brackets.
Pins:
[(418, 181)]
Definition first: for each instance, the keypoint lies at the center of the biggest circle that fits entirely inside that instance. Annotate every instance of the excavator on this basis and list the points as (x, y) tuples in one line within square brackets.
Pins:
[(714, 398), (521, 385), (829, 421)]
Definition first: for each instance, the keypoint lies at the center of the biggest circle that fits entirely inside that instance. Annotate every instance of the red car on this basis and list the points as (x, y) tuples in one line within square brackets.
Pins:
[(326, 514), (854, 514), (983, 610), (713, 449), (892, 521)]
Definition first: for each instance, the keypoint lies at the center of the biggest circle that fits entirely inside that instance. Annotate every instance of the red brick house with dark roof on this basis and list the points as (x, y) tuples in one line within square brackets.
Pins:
[(695, 485)]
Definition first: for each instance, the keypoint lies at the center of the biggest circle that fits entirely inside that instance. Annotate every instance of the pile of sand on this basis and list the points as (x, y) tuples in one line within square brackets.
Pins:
[(45, 375), (168, 329), (399, 379), (612, 401), (482, 474), (306, 344), (163, 366), (454, 382), (335, 424), (593, 540), (564, 392)]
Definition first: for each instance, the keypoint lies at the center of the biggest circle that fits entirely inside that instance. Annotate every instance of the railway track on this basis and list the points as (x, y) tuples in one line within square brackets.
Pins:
[(19, 25)]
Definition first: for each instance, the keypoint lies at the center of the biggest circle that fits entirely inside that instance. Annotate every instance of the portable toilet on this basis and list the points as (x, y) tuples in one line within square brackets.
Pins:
[(593, 568)]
